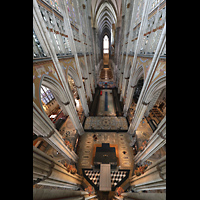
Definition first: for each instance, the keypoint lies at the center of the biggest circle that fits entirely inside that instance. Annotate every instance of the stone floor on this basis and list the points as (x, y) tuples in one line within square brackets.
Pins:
[(86, 151), (68, 132), (143, 132), (101, 107), (106, 123)]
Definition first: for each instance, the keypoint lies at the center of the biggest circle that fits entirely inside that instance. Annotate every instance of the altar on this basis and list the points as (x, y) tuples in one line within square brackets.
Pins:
[(105, 155)]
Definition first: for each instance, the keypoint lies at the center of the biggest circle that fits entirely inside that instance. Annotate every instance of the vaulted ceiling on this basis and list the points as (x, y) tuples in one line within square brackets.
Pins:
[(104, 14)]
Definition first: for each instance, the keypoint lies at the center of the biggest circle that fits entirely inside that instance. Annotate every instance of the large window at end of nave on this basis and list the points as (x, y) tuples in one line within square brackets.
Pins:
[(105, 44)]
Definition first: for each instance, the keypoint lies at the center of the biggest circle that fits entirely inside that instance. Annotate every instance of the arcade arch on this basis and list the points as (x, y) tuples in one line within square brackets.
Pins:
[(56, 110), (80, 91), (76, 100), (135, 90), (155, 112), (58, 140)]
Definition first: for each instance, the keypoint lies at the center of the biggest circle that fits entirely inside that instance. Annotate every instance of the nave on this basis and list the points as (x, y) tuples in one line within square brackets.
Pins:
[(105, 128), (99, 99)]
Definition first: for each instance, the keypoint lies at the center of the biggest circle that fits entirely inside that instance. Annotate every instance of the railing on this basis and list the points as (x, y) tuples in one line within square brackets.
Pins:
[(148, 55), (56, 195), (152, 32), (58, 35), (59, 56)]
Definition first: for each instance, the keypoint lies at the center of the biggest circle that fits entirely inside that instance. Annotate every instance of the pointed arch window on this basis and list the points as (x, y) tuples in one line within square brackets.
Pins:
[(54, 3), (105, 44), (71, 11), (46, 95), (37, 48)]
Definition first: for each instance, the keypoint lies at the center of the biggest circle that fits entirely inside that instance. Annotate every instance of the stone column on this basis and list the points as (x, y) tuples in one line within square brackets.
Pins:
[(141, 104), (69, 108), (154, 177), (40, 194), (136, 51), (94, 44), (143, 196), (42, 126), (44, 194), (156, 141), (47, 171), (121, 53), (91, 74), (45, 37), (39, 22), (84, 49), (67, 26), (152, 103), (90, 41), (127, 48), (117, 30), (139, 113)]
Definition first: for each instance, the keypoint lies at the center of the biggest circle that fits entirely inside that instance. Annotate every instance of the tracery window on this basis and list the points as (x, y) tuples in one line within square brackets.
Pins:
[(37, 48), (66, 44), (46, 94), (154, 3), (71, 11), (54, 3), (56, 39), (139, 11)]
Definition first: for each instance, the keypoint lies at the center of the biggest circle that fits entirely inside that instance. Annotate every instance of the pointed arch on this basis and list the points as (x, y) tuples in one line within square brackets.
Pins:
[(83, 69), (54, 86), (157, 85), (137, 75), (74, 75), (81, 91)]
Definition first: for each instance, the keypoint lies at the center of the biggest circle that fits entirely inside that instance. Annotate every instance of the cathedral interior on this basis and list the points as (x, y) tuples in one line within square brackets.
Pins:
[(99, 99)]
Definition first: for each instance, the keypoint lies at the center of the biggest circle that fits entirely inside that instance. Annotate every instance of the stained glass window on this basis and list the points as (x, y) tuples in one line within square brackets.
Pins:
[(54, 3), (154, 3), (37, 48), (71, 11), (46, 95), (105, 44), (139, 11)]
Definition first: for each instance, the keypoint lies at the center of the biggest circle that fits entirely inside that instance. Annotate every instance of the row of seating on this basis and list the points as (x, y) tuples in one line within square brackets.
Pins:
[(109, 74), (102, 75)]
